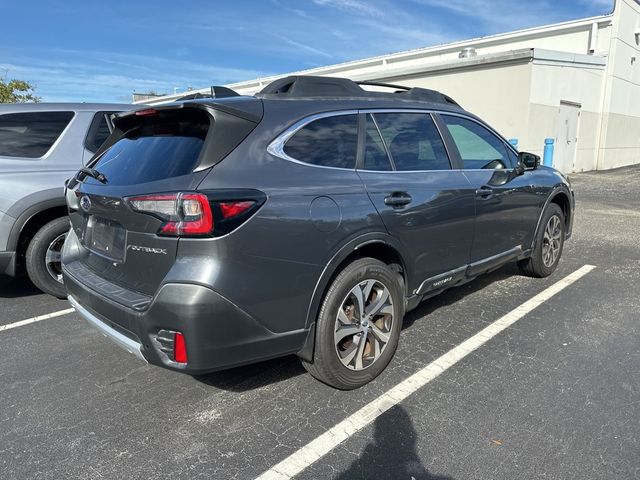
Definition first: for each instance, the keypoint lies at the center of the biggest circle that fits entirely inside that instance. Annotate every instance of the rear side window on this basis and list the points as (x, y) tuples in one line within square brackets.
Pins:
[(99, 131), (328, 142), (31, 135), (413, 141), (478, 147), (157, 149), (375, 154)]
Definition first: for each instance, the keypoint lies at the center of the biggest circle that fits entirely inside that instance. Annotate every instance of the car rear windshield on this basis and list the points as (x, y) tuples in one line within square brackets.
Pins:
[(31, 134), (159, 148)]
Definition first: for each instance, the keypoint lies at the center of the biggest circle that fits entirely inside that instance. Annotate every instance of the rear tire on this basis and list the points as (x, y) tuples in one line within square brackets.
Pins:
[(353, 347), (548, 245), (43, 257)]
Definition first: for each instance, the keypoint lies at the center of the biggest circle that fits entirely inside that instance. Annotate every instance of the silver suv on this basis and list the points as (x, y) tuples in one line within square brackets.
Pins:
[(41, 145)]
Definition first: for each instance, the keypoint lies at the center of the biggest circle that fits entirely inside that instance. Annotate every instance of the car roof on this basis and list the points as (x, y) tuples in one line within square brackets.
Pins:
[(307, 95), (55, 107)]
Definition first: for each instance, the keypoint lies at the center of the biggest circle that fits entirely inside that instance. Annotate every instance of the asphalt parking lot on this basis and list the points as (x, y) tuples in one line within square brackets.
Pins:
[(555, 395)]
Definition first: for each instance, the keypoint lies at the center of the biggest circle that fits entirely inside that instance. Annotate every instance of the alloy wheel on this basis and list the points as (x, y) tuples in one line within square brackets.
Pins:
[(53, 258), (363, 324), (552, 241)]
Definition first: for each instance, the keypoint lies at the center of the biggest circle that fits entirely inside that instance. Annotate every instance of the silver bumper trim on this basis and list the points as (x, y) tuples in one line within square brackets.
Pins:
[(124, 342)]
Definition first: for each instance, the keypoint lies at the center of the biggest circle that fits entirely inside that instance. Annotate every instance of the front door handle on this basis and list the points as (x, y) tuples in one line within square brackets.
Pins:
[(485, 192), (398, 199)]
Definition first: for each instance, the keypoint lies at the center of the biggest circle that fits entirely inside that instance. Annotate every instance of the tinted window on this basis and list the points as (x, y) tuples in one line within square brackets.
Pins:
[(479, 148), (375, 155), (31, 134), (329, 142), (154, 151), (513, 158), (413, 141), (98, 132)]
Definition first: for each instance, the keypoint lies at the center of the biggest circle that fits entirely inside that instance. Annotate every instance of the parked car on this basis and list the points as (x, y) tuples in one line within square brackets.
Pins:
[(307, 219), (41, 145)]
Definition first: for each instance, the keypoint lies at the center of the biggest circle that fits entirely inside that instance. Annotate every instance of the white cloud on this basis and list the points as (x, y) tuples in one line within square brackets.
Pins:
[(356, 6)]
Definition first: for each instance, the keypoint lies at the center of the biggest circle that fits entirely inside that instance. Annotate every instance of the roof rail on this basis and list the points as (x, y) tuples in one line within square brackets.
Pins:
[(301, 86), (381, 84)]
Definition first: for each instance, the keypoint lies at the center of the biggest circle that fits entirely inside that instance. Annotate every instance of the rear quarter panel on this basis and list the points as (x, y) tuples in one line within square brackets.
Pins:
[(272, 263)]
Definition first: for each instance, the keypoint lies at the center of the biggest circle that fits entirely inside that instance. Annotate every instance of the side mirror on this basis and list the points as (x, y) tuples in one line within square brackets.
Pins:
[(528, 160)]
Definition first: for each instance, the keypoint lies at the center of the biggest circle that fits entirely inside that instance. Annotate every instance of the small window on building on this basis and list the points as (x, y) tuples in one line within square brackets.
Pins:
[(99, 131), (32, 134), (375, 154), (478, 147), (413, 141), (328, 142)]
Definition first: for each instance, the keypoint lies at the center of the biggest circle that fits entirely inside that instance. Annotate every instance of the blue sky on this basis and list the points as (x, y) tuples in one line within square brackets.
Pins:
[(102, 51)]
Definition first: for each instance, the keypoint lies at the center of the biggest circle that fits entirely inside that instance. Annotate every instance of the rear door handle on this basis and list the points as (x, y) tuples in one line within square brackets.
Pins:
[(485, 192), (398, 199)]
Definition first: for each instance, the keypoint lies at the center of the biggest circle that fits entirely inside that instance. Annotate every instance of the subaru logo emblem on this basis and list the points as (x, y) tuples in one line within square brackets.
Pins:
[(85, 203)]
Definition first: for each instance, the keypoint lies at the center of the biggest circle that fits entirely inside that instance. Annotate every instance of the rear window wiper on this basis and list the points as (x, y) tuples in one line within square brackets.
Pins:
[(93, 173)]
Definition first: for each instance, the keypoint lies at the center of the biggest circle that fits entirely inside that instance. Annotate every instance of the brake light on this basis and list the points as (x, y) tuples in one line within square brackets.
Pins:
[(194, 214), (179, 348), (233, 209), (183, 213), (147, 112)]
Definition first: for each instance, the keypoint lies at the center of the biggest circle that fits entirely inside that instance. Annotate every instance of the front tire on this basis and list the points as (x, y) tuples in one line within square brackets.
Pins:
[(549, 244), (358, 325), (43, 257)]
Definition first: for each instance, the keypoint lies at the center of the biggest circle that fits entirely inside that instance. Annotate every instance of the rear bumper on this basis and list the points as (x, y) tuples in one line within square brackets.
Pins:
[(8, 263), (129, 344), (218, 334)]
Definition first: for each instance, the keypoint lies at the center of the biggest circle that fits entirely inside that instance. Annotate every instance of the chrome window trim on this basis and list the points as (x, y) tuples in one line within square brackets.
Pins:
[(276, 147)]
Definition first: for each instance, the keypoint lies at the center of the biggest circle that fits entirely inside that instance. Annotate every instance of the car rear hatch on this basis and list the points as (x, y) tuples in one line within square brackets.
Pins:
[(138, 195)]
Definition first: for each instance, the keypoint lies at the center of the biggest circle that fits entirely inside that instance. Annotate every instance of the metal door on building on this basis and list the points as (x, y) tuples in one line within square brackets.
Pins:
[(564, 158)]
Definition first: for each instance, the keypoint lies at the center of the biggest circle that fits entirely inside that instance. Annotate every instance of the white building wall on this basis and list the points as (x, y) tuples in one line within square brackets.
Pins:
[(619, 141)]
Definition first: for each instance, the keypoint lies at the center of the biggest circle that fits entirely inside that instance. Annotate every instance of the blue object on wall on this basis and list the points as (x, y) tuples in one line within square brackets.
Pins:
[(548, 152), (514, 142)]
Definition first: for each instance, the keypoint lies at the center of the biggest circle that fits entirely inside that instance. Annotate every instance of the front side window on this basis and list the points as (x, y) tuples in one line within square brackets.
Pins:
[(327, 142), (413, 141), (32, 134), (478, 147)]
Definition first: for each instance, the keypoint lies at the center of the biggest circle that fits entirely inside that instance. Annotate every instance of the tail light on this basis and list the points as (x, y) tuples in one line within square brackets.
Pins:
[(196, 214)]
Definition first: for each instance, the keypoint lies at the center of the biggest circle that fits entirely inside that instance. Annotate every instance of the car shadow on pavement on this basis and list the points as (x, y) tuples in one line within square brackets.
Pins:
[(455, 294), (392, 452), (250, 377), (17, 287)]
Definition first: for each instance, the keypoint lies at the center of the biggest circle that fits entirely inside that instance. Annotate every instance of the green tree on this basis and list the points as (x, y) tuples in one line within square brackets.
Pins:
[(17, 91)]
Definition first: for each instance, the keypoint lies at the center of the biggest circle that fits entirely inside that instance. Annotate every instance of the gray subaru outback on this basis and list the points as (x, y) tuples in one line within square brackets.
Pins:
[(41, 145), (307, 219)]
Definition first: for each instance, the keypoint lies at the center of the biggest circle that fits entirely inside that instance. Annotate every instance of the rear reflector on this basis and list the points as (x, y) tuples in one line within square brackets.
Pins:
[(179, 348)]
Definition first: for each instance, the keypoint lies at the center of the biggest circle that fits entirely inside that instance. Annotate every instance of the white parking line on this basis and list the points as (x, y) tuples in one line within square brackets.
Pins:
[(319, 447), (36, 319)]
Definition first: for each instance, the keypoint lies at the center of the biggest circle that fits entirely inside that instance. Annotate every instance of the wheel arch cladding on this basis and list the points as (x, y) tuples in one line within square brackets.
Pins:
[(562, 200), (34, 223), (377, 249)]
